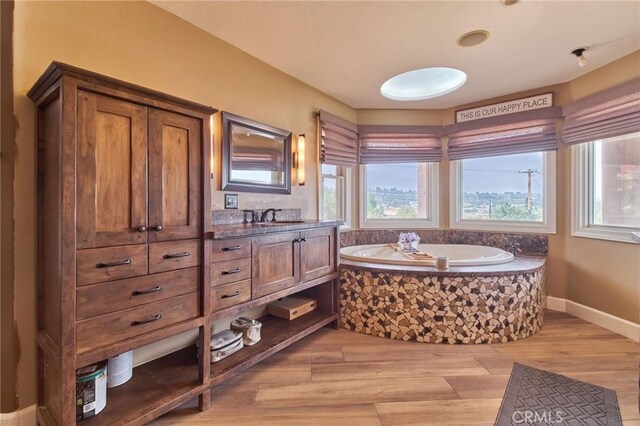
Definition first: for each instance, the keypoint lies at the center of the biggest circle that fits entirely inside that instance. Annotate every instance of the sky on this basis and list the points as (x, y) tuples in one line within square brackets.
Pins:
[(491, 174)]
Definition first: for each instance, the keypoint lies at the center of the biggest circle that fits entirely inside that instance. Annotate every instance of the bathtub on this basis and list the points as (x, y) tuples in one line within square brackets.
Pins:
[(458, 254), (486, 296)]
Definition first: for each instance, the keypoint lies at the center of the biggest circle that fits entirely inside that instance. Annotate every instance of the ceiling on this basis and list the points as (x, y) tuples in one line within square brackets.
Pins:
[(347, 49)]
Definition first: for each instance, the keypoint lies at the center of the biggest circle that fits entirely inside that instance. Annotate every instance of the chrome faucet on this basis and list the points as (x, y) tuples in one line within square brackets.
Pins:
[(512, 247)]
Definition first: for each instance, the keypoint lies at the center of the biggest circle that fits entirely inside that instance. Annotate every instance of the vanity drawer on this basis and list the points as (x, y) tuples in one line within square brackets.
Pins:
[(230, 271), (236, 248), (106, 329), (110, 263), (227, 295), (98, 299), (171, 255)]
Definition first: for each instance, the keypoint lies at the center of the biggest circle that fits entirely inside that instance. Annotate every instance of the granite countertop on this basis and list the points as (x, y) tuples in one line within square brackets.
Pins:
[(521, 264), (248, 229)]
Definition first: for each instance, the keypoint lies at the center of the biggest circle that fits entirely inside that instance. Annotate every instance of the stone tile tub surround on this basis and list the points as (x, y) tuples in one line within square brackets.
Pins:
[(532, 244), (448, 308), (481, 304)]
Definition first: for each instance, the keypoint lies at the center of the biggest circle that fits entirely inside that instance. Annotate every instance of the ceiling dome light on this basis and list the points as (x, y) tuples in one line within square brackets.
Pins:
[(423, 83), (473, 38)]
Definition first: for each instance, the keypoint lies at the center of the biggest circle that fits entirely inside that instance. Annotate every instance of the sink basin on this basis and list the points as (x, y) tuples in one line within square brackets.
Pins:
[(284, 222), (279, 222)]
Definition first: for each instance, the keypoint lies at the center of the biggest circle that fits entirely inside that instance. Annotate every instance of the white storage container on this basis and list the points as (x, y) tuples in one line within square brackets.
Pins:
[(224, 344), (120, 369), (249, 328)]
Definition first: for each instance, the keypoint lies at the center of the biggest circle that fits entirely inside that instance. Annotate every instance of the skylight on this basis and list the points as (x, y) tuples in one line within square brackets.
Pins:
[(423, 83)]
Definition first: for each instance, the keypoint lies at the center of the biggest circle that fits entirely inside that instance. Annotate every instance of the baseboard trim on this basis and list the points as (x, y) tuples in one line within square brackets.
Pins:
[(610, 322), (556, 304), (24, 417)]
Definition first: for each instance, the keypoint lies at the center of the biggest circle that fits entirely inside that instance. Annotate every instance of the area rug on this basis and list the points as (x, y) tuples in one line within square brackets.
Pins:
[(538, 397)]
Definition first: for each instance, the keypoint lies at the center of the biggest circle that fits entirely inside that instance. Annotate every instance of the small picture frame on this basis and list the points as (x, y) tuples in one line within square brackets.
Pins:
[(230, 201)]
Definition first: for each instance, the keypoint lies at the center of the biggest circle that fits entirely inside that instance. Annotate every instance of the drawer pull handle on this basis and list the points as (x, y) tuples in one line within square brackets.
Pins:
[(234, 294), (146, 320), (231, 271), (147, 291), (116, 263), (176, 255), (232, 248), (299, 240)]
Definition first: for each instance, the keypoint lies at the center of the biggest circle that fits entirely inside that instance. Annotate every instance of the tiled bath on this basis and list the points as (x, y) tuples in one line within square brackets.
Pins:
[(465, 305)]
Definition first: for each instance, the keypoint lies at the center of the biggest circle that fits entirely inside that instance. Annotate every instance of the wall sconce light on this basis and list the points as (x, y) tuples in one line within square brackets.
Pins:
[(579, 53), (298, 160)]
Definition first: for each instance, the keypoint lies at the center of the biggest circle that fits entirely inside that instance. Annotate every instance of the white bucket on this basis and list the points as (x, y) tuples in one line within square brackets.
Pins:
[(120, 369)]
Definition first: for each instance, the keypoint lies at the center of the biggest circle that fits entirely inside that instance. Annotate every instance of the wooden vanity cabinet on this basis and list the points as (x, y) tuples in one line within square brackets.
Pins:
[(119, 144), (286, 259), (121, 188), (230, 272), (123, 180), (276, 262), (317, 253)]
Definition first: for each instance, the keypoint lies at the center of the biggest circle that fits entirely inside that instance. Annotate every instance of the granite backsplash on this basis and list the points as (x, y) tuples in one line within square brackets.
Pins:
[(230, 217)]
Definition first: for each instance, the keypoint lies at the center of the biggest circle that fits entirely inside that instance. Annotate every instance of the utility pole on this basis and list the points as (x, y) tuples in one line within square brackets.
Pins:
[(529, 173)]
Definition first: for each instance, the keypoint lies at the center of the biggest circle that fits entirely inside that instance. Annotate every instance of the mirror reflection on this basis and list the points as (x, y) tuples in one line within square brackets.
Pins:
[(256, 157)]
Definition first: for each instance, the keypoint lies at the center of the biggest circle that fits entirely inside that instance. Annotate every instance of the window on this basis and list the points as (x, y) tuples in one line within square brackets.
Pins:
[(606, 188), (334, 193), (514, 193), (399, 195)]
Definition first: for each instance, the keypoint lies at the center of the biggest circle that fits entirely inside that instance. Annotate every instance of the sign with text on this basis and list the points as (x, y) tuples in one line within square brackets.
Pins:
[(509, 107)]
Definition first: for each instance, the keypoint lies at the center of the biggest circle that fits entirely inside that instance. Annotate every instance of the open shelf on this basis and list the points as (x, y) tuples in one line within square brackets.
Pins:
[(155, 388), (276, 334), (254, 303)]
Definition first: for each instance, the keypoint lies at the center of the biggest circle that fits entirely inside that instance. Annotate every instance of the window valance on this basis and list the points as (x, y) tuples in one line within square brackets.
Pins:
[(400, 144), (612, 112), (519, 133), (338, 140)]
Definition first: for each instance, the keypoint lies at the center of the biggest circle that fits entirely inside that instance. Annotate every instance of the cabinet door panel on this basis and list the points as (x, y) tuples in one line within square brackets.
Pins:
[(174, 178), (112, 172), (317, 256), (276, 262)]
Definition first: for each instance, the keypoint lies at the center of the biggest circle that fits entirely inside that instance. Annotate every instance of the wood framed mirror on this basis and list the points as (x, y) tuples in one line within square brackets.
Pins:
[(255, 157)]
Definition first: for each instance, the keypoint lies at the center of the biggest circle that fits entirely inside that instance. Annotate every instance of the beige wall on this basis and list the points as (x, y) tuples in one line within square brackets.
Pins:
[(138, 42), (142, 44), (604, 275)]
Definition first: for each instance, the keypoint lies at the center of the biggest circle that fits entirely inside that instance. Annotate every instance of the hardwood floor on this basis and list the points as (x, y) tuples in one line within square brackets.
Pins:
[(344, 378)]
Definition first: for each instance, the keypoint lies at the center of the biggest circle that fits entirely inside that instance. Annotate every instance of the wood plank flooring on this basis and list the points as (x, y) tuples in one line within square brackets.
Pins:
[(344, 378)]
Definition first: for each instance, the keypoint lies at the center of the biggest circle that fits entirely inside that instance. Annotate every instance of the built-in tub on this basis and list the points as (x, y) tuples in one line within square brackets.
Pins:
[(458, 254), (482, 298)]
